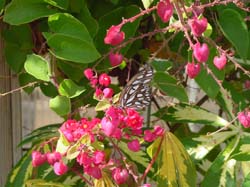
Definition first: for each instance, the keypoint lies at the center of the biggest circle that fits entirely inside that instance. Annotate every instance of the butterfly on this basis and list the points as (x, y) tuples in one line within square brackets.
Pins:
[(137, 93)]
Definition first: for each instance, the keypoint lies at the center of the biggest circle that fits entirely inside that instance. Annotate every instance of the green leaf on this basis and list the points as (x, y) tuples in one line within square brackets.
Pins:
[(21, 172), (168, 85), (242, 151), (43, 183), (70, 89), (184, 113), (230, 19), (49, 89), (40, 134), (63, 23), (62, 144), (72, 49), (74, 151), (246, 182), (199, 147), (175, 168), (38, 67), (62, 4), (102, 105), (24, 11), (25, 79), (61, 105), (72, 70), (138, 157), (147, 3), (222, 167), (161, 64)]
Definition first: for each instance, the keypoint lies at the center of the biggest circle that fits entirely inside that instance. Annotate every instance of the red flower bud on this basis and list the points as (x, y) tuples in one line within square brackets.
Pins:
[(220, 62), (198, 26), (134, 145), (165, 10), (115, 59), (114, 36), (120, 175), (88, 73), (104, 80), (107, 93), (192, 69), (60, 168), (201, 52), (53, 157), (38, 158), (244, 118)]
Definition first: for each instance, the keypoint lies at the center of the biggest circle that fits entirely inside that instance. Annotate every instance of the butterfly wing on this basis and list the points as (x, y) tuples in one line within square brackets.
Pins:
[(137, 93)]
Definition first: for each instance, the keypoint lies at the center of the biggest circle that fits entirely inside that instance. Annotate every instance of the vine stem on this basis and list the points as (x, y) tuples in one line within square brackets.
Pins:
[(81, 176), (152, 161), (18, 89)]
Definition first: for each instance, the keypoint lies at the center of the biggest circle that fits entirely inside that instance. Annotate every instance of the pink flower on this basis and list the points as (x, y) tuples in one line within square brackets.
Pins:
[(108, 127), (133, 119), (201, 52), (93, 171), (120, 175), (84, 159), (244, 118), (104, 80), (60, 168), (198, 26), (108, 93), (114, 36), (192, 69), (99, 157), (115, 59), (149, 136), (134, 145), (165, 10), (38, 158), (158, 130), (88, 73), (53, 157), (220, 62)]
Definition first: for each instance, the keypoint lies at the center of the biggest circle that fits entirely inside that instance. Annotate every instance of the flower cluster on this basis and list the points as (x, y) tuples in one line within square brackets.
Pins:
[(100, 83), (54, 159), (73, 130)]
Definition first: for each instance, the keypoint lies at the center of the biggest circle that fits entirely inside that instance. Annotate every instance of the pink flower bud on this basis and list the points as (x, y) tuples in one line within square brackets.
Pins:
[(38, 158), (134, 145), (149, 136), (53, 157), (99, 157), (104, 80), (165, 10), (93, 171), (220, 62), (115, 59), (201, 52), (192, 70), (88, 73), (146, 185), (247, 84), (114, 36), (60, 168), (108, 93), (198, 26), (93, 82), (244, 118), (98, 93), (120, 175), (158, 130), (108, 127)]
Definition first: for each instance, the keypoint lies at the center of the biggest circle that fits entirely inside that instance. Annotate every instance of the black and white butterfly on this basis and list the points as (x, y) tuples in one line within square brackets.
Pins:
[(137, 93)]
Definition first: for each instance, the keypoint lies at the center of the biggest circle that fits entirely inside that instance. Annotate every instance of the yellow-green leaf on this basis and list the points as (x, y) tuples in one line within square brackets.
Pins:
[(175, 167)]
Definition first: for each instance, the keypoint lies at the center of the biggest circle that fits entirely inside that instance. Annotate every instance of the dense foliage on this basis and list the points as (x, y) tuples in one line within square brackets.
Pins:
[(153, 132)]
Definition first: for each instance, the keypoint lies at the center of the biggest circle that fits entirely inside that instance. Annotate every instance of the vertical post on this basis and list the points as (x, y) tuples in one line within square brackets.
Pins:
[(10, 118)]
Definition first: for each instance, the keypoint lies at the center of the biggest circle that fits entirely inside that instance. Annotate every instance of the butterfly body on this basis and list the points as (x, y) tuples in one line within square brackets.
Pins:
[(137, 92)]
